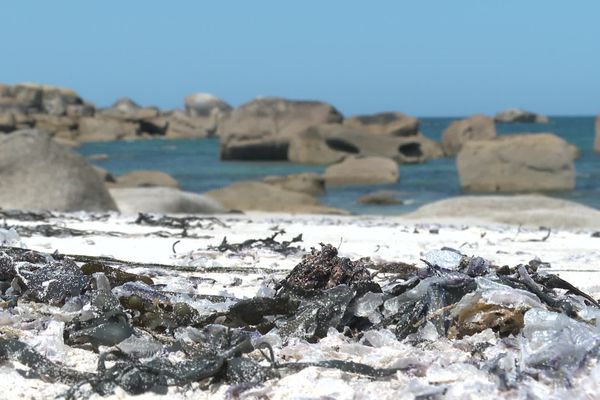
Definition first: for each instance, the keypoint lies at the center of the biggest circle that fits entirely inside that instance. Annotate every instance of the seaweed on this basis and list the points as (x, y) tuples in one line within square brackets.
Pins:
[(285, 247), (185, 223), (114, 275), (451, 295), (324, 270)]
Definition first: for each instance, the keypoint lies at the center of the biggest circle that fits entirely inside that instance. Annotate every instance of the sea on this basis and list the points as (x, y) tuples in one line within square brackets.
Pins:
[(197, 167)]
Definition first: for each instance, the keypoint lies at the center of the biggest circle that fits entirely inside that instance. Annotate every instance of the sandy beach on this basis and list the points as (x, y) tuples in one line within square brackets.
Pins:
[(187, 266)]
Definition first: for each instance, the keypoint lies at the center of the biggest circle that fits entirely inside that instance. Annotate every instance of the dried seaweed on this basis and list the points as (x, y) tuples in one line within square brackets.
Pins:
[(284, 247), (184, 223), (450, 296)]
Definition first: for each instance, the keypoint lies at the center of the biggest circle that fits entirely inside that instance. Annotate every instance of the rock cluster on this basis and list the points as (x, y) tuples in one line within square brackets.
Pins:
[(63, 114), (36, 172)]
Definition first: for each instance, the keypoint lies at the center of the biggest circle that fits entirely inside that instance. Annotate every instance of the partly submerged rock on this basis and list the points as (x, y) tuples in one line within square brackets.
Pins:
[(262, 128), (517, 163), (362, 171), (330, 143)]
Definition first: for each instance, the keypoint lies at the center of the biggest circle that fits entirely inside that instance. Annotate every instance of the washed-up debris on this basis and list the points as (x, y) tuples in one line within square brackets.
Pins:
[(284, 247), (324, 270), (516, 323), (21, 215), (116, 276), (185, 223)]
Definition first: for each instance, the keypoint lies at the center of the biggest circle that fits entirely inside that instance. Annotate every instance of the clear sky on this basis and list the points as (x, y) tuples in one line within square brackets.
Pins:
[(423, 57)]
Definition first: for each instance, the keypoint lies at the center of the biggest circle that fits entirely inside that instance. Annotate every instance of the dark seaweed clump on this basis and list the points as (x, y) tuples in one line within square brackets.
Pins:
[(323, 292), (284, 247)]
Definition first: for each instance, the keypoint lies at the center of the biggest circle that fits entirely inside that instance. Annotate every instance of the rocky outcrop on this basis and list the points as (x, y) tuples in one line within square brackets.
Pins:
[(205, 105), (260, 196), (163, 200), (182, 126), (518, 115), (33, 98), (517, 163), (38, 173), (146, 179), (309, 183), (386, 123), (477, 127), (262, 128), (597, 141), (362, 171), (96, 129), (58, 126), (382, 198), (330, 143), (63, 114), (531, 210)]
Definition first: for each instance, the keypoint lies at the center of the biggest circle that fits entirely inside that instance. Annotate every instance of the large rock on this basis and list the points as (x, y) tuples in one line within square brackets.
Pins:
[(182, 126), (532, 210), (518, 115), (37, 98), (308, 182), (146, 179), (262, 128), (517, 163), (205, 105), (38, 173), (95, 129), (259, 196), (477, 127), (362, 171), (386, 123), (330, 143), (597, 141), (163, 200)]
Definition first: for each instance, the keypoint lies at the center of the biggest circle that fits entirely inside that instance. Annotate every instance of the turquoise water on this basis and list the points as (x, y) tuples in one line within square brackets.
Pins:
[(196, 165)]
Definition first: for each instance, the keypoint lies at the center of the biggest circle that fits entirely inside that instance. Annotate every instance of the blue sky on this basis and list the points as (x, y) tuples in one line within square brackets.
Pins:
[(425, 58)]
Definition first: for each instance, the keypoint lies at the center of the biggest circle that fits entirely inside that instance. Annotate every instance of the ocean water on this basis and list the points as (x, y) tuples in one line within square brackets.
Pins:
[(196, 165)]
